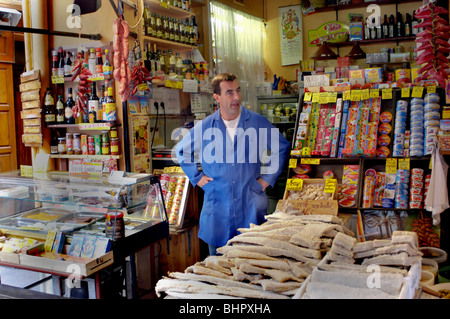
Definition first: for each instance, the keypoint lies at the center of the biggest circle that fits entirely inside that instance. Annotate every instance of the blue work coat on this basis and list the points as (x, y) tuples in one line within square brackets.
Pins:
[(234, 199)]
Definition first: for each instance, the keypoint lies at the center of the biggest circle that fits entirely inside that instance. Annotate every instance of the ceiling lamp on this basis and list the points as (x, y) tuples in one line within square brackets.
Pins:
[(356, 52), (324, 53)]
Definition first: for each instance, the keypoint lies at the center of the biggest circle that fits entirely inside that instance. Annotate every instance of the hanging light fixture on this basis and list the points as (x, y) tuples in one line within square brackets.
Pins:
[(356, 52), (324, 53)]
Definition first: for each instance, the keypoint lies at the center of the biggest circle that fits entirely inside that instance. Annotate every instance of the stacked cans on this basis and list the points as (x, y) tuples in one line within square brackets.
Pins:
[(370, 181), (379, 189), (432, 121), (417, 127), (400, 129), (389, 191), (416, 190), (425, 190), (402, 188), (177, 196)]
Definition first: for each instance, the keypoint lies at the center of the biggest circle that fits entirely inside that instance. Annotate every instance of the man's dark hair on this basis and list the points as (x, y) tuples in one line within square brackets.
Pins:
[(227, 77)]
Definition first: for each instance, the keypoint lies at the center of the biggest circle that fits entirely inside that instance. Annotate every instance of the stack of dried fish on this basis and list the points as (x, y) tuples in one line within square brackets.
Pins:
[(348, 271), (271, 260)]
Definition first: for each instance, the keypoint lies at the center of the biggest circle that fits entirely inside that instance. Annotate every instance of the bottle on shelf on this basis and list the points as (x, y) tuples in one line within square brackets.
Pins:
[(176, 30), (166, 28), (188, 31), (182, 31), (171, 30), (366, 31), (54, 143), (61, 62), (60, 110), (379, 28), (152, 25), (195, 31), (157, 60), (414, 22), (68, 110), (146, 22), (159, 27), (68, 65), (55, 62), (100, 104), (163, 62), (408, 25), (111, 112), (400, 25), (385, 27), (170, 62), (98, 61), (49, 108), (392, 26), (92, 61), (93, 104), (107, 67), (147, 61), (103, 100), (178, 64)]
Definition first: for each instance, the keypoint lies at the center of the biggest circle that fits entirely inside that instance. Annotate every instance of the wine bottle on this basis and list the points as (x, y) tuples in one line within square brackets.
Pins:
[(68, 110), (93, 103)]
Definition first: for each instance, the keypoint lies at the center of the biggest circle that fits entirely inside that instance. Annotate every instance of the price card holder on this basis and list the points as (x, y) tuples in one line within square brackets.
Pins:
[(293, 163), (365, 94), (431, 89), (330, 186), (306, 151), (316, 97), (332, 97), (310, 161), (404, 163), (406, 93), (307, 97), (323, 98), (386, 94), (355, 96), (295, 184), (346, 95), (374, 94), (391, 166), (417, 91)]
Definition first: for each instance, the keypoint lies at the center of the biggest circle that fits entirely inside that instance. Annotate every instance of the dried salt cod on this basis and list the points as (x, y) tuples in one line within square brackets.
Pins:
[(273, 264), (239, 275), (212, 280), (401, 259), (268, 235), (194, 286), (310, 253), (238, 253), (273, 285), (201, 270), (320, 290), (311, 235)]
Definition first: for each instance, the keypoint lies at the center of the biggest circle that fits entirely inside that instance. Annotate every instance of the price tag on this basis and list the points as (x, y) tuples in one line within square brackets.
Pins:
[(323, 98), (365, 94), (143, 87), (306, 151), (332, 97), (347, 95), (26, 170), (330, 186), (374, 94), (164, 4), (296, 152), (355, 96), (406, 92), (391, 166), (403, 163), (316, 97), (431, 89), (295, 184), (293, 163), (417, 91), (310, 161), (307, 97), (57, 79), (386, 94)]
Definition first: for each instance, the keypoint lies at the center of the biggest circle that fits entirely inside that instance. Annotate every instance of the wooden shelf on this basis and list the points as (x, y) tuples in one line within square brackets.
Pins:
[(172, 11), (101, 157), (85, 126), (362, 5), (170, 44), (372, 41)]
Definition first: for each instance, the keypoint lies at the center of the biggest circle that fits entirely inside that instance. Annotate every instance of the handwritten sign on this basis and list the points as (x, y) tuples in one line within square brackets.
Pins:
[(293, 163), (404, 163), (330, 186), (310, 161), (295, 184), (391, 166)]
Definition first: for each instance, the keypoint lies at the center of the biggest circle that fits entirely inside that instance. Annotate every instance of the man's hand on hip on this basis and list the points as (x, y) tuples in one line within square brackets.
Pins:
[(204, 180), (263, 183)]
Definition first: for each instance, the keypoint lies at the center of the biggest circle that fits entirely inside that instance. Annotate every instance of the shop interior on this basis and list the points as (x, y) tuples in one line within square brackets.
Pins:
[(95, 96)]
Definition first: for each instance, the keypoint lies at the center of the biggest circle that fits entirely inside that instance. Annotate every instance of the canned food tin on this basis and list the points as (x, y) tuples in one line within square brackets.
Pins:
[(115, 225), (91, 145)]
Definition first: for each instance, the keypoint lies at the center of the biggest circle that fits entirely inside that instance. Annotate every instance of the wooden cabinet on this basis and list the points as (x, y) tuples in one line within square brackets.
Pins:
[(7, 47), (8, 156)]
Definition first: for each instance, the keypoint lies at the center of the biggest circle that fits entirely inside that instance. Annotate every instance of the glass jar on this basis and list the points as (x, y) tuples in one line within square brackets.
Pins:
[(69, 143), (77, 143), (115, 146), (62, 145)]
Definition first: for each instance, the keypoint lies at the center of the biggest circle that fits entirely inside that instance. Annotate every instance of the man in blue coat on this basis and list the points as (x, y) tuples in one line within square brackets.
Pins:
[(233, 155)]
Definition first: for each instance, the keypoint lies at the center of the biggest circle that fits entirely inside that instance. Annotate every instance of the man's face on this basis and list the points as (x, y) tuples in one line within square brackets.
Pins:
[(229, 99)]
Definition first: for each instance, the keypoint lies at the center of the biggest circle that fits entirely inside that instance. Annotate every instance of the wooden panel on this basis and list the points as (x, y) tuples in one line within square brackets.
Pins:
[(7, 47), (5, 135), (7, 120)]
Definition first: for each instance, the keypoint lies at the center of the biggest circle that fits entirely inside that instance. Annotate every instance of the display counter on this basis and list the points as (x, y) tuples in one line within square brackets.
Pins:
[(92, 223)]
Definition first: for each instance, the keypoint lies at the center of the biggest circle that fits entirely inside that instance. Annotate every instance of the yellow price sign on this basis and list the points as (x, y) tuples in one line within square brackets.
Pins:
[(386, 94), (310, 161), (332, 97), (164, 4), (417, 91), (296, 152), (307, 97), (406, 92), (323, 98), (365, 94), (391, 166), (294, 184), (330, 186), (306, 151), (355, 96), (293, 163), (431, 89), (26, 170), (403, 163), (316, 97), (346, 95), (374, 94)]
